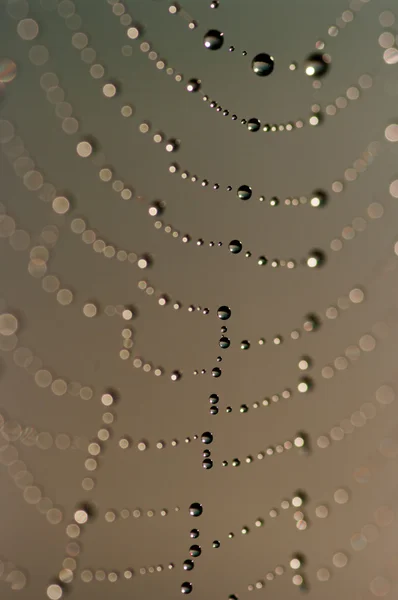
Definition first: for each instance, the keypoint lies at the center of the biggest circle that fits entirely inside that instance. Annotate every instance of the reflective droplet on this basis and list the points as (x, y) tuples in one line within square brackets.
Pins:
[(213, 40), (195, 551), (172, 146), (316, 65), (263, 64), (186, 588), (216, 544), (194, 533), (224, 342), (207, 463), (188, 565), (196, 509), (235, 246), (315, 259), (207, 437), (244, 345), (193, 85), (214, 410), (213, 398), (216, 372), (253, 124), (244, 192), (224, 313)]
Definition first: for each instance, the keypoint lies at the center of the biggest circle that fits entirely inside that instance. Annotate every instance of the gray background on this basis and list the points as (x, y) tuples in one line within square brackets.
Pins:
[(265, 301)]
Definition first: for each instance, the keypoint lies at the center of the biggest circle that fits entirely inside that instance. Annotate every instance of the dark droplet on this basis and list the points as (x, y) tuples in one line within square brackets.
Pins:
[(207, 463), (186, 588), (196, 509), (188, 565), (253, 124), (235, 246), (224, 342), (216, 544), (207, 437), (244, 345), (224, 313), (195, 551), (316, 65), (193, 85), (213, 40), (263, 64), (244, 192), (213, 398), (216, 372), (194, 533)]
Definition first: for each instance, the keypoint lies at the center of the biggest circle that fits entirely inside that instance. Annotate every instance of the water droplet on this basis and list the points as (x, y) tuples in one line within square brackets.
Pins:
[(316, 65), (196, 509), (224, 342), (318, 199), (8, 70), (215, 4), (175, 376), (172, 146), (194, 533), (263, 64), (214, 410), (316, 258), (207, 437), (224, 313), (216, 372), (216, 544), (244, 192), (214, 399), (186, 588), (262, 261), (244, 345), (235, 246), (253, 124), (193, 85), (188, 565), (236, 462), (207, 463), (213, 40), (195, 551)]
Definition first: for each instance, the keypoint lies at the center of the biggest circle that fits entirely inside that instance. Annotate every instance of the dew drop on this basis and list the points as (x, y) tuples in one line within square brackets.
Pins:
[(216, 372), (186, 588), (193, 85), (188, 565), (207, 437), (316, 65), (214, 410), (224, 342), (207, 463), (253, 125), (244, 192), (194, 533), (235, 246), (316, 259), (213, 398), (224, 313), (216, 544), (263, 64), (195, 551), (213, 40), (244, 345), (196, 509)]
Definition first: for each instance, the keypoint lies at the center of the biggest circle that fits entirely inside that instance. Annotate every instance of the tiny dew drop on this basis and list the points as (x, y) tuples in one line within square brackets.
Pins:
[(214, 410), (224, 342), (235, 246), (245, 345), (196, 509), (188, 565), (207, 463), (195, 551), (316, 65), (263, 64), (213, 40), (216, 372), (186, 588), (216, 544), (224, 313), (193, 85), (244, 192), (213, 398), (207, 437), (253, 125), (194, 533)]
